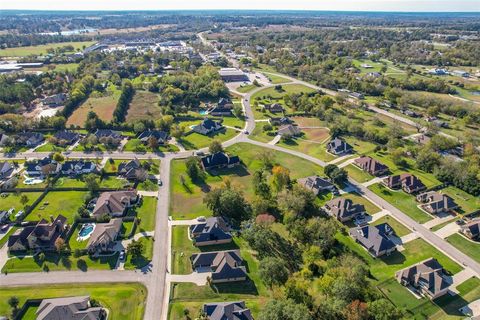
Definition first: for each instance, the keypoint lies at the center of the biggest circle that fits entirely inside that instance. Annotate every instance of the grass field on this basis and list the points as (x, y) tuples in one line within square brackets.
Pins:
[(65, 203), (12, 200), (403, 201), (246, 88), (275, 78), (102, 106), (358, 174), (187, 202), (147, 214), (400, 229), (467, 202), (48, 147), (287, 89), (313, 143), (132, 263), (124, 301), (41, 49), (470, 248), (144, 106), (259, 134), (195, 140), (356, 198)]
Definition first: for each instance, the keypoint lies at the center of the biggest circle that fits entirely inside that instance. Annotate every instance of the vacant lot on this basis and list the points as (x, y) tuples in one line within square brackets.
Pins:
[(286, 89), (102, 106), (65, 203), (124, 301), (41, 49), (144, 106)]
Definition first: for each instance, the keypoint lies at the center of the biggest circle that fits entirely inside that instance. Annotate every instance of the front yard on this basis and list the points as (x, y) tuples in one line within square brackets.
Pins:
[(400, 229), (470, 248), (195, 140)]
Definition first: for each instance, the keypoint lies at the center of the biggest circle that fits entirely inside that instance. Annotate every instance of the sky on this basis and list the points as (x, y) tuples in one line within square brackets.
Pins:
[(341, 5)]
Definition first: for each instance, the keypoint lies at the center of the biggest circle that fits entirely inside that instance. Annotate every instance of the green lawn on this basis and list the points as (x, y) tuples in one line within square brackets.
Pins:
[(147, 214), (403, 201), (246, 88), (385, 267), (65, 203), (5, 237), (138, 262), (259, 134), (287, 89), (12, 200), (41, 49), (472, 249), (64, 182), (314, 149), (276, 79), (467, 202), (125, 301), (356, 198), (56, 262), (358, 174), (187, 201), (114, 182), (48, 147), (135, 145), (195, 140), (400, 229)]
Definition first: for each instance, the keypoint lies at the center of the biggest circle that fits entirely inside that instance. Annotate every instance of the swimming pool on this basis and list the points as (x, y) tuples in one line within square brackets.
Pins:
[(85, 231), (203, 112)]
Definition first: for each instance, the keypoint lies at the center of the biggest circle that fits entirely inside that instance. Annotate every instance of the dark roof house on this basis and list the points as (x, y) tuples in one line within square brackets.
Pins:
[(66, 136), (274, 108), (213, 231), (6, 170), (225, 103), (316, 184), (375, 239), (219, 160), (344, 209), (427, 277), (207, 126), (471, 229), (435, 202), (338, 146), (289, 130), (370, 165), (107, 133), (29, 139), (55, 100), (227, 311), (160, 136), (69, 308), (132, 170), (408, 182), (42, 167), (226, 266)]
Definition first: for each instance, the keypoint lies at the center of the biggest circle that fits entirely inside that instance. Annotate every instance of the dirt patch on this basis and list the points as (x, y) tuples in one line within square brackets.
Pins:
[(103, 107), (316, 134), (307, 122), (144, 105)]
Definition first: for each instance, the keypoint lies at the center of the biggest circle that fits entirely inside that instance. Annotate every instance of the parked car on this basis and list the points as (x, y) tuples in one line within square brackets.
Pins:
[(201, 219), (122, 255), (199, 153), (460, 222), (160, 183)]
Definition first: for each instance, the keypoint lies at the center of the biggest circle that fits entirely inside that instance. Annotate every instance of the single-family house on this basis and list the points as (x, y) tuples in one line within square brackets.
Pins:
[(107, 133), (78, 167), (427, 277), (274, 107), (213, 231), (219, 160), (408, 182), (66, 137), (42, 167), (375, 239), (6, 170), (370, 165), (104, 236), (55, 100), (4, 139), (29, 139), (226, 266), (471, 229), (289, 130), (435, 202), (344, 209), (207, 126), (41, 236), (160, 136), (69, 308), (225, 103), (316, 184), (115, 203), (357, 95), (218, 111), (132, 170), (4, 216), (338, 146), (227, 311), (278, 121)]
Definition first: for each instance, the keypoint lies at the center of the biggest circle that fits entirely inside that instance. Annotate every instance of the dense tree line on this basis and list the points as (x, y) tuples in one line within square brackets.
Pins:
[(123, 102)]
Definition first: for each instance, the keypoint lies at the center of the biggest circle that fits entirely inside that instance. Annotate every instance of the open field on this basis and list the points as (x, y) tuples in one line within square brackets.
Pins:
[(13, 200), (403, 201), (102, 106), (195, 140), (275, 78), (65, 203), (125, 301), (246, 88), (41, 49), (287, 89), (144, 106), (146, 213), (187, 201)]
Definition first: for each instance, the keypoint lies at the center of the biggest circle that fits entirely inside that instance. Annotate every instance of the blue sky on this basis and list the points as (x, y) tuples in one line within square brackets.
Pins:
[(345, 5)]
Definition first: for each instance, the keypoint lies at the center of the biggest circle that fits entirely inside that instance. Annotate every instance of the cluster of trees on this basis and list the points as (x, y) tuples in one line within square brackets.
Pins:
[(79, 93), (12, 93), (123, 102)]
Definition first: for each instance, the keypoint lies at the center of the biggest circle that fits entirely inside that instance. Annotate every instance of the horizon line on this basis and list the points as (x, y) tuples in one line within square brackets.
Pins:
[(240, 10)]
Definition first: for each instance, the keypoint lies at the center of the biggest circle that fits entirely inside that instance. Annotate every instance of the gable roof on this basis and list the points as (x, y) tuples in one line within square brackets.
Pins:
[(374, 238), (105, 233), (66, 135), (219, 159), (227, 311), (78, 165), (370, 164), (473, 227), (338, 145), (113, 202), (161, 136), (105, 133), (315, 183), (68, 308), (224, 264), (41, 229), (212, 229), (438, 201), (344, 208), (289, 130), (428, 274)]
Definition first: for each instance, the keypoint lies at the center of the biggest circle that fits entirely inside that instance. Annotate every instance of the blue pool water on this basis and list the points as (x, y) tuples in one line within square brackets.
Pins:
[(203, 112), (86, 230)]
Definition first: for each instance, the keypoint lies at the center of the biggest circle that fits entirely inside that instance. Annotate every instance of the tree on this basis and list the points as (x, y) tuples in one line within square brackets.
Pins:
[(281, 177), (383, 309), (237, 111), (58, 157), (427, 160), (13, 302), (193, 170), (135, 248), (60, 245), (91, 182), (356, 310), (336, 174), (24, 200), (215, 147), (273, 271), (284, 310), (138, 127), (152, 143), (228, 202), (177, 131)]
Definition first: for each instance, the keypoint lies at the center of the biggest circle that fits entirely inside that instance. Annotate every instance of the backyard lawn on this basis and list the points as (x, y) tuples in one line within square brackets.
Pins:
[(65, 203), (124, 301), (470, 248), (467, 202), (403, 201), (400, 229), (195, 140), (356, 198), (187, 200), (358, 174), (13, 200)]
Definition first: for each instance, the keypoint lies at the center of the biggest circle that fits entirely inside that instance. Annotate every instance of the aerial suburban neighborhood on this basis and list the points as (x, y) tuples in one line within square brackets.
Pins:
[(239, 165)]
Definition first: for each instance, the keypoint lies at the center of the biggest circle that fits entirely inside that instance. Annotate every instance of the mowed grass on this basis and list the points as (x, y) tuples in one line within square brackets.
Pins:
[(124, 301), (12, 200), (403, 201), (358, 174), (41, 49), (275, 78), (187, 201), (65, 203), (400, 229), (144, 106), (195, 140), (470, 248), (147, 213), (313, 142), (356, 198), (467, 202), (102, 106), (287, 89)]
